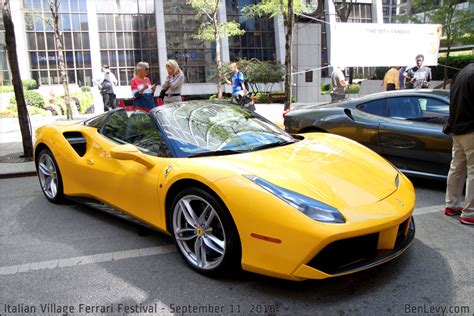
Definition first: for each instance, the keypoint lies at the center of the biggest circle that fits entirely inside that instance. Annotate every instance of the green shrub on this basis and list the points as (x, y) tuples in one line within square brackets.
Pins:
[(32, 98), (5, 89), (263, 97), (85, 89), (29, 84), (32, 110), (11, 111), (353, 88), (55, 109), (459, 62), (85, 99)]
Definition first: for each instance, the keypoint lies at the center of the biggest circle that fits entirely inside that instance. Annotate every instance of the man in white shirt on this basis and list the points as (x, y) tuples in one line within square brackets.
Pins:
[(338, 84), (106, 84)]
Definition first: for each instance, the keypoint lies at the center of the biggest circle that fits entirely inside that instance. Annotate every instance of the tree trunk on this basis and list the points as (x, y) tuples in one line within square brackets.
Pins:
[(218, 52), (289, 22), (23, 117), (54, 7)]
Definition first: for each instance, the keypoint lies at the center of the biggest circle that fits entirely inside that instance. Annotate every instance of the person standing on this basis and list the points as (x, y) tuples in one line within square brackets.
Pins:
[(106, 84), (338, 84), (460, 125), (142, 89), (391, 79), (173, 83), (237, 81), (418, 76), (401, 76)]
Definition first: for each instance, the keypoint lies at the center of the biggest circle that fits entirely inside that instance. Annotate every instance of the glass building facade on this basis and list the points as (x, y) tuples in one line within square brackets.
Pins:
[(127, 35), (195, 57), (259, 38), (42, 50), (4, 74)]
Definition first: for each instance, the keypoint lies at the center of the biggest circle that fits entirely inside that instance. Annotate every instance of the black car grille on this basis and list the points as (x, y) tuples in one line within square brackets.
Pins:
[(360, 252), (346, 252)]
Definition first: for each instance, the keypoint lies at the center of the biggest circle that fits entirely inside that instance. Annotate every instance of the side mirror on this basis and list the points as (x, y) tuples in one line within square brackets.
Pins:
[(130, 152)]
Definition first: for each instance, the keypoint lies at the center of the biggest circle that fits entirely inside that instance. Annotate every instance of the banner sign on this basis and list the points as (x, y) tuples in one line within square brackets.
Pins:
[(377, 45)]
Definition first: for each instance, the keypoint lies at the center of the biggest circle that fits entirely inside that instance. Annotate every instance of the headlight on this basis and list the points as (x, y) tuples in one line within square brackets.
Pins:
[(312, 208)]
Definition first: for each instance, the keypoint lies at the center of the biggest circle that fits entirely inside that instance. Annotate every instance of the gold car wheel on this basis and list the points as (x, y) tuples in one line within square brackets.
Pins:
[(48, 175), (199, 232)]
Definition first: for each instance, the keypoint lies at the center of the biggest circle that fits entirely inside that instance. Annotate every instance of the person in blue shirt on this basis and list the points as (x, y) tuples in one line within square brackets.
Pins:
[(237, 81)]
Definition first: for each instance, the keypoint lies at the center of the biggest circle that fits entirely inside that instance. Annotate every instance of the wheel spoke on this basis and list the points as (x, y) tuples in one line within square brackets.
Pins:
[(204, 213), (209, 220), (53, 187), (197, 252), (188, 212), (203, 254), (47, 183), (215, 244), (44, 169), (182, 231)]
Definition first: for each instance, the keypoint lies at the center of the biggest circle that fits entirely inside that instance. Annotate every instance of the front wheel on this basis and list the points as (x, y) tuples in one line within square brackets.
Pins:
[(49, 176), (204, 233)]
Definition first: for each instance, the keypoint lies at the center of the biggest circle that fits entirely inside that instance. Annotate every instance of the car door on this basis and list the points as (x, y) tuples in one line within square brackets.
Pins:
[(365, 120), (127, 184), (412, 136)]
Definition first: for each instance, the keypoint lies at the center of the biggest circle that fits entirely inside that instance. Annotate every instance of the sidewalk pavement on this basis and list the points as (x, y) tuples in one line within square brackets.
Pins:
[(11, 141)]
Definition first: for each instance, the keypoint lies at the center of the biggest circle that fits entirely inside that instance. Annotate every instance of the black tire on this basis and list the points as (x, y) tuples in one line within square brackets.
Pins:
[(49, 176), (215, 233)]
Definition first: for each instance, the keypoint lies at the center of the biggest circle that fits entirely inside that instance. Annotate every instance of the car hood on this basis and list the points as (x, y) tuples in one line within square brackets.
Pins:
[(329, 168)]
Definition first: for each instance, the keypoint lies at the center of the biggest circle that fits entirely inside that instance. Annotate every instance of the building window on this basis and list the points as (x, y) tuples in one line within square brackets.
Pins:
[(259, 38), (361, 13), (4, 73), (196, 58), (308, 76), (127, 35), (42, 50)]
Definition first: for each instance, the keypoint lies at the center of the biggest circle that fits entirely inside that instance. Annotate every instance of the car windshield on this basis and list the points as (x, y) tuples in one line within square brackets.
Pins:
[(207, 129)]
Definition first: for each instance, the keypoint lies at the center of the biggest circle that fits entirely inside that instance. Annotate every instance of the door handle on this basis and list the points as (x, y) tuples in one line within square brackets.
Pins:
[(90, 161)]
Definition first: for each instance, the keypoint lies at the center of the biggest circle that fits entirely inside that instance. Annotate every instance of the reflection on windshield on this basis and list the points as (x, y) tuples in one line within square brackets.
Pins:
[(195, 128)]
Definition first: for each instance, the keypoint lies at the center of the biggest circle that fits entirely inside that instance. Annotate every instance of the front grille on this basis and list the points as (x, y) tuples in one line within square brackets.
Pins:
[(343, 254)]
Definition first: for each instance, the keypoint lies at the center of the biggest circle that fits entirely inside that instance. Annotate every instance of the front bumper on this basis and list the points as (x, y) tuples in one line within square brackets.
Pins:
[(356, 254)]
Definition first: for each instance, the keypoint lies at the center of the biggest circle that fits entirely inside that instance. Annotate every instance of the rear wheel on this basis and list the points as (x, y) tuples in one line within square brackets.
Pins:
[(49, 176), (204, 232)]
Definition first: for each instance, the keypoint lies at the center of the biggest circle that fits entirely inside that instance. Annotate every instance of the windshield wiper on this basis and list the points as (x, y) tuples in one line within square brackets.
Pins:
[(276, 144), (216, 153)]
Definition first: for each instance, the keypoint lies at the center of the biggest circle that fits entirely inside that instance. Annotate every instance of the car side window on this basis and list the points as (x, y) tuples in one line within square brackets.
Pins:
[(433, 107), (142, 132), (136, 128), (375, 107), (115, 126), (405, 108)]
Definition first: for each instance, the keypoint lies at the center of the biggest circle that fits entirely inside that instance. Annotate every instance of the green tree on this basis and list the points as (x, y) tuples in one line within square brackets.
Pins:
[(213, 30), (31, 15), (261, 75), (286, 9), (23, 117), (456, 22)]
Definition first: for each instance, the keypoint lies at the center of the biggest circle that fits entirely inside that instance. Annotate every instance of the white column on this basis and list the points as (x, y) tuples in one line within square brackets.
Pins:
[(331, 17), (279, 38), (95, 54), (224, 41), (377, 12), (18, 19), (161, 38)]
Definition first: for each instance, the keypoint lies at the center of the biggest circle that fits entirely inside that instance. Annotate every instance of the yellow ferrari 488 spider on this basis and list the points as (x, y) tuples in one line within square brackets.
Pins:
[(234, 190)]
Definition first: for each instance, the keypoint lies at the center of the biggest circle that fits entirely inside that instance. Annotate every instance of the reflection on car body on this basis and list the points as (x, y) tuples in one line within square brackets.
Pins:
[(403, 126)]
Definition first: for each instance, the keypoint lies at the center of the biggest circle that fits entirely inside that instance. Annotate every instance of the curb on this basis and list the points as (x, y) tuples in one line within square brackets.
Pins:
[(18, 175)]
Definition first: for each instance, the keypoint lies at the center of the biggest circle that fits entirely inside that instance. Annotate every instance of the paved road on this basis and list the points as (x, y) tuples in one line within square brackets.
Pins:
[(71, 258)]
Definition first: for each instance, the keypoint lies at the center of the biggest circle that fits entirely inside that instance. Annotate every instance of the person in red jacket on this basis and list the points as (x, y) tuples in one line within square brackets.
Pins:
[(142, 89)]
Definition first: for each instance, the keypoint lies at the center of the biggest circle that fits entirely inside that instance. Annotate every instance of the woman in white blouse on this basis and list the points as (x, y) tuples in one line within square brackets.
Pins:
[(173, 83)]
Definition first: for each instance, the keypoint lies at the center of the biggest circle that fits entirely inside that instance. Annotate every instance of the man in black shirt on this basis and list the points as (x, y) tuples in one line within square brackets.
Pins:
[(461, 126)]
